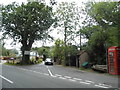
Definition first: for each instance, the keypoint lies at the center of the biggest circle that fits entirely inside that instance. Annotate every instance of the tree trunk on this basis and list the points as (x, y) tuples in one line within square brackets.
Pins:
[(77, 61), (26, 46), (25, 57)]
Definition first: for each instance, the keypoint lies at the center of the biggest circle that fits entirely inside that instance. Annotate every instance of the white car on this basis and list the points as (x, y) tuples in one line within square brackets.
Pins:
[(48, 61)]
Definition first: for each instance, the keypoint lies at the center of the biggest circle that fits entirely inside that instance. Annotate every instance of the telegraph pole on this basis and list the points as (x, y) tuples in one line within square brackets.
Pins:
[(80, 41), (65, 40)]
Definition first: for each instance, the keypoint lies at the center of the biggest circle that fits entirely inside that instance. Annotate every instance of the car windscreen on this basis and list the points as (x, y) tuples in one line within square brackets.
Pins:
[(48, 60)]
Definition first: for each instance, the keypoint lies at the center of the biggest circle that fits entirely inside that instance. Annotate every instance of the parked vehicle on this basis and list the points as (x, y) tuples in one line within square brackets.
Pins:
[(8, 58), (5, 58), (48, 61), (100, 68)]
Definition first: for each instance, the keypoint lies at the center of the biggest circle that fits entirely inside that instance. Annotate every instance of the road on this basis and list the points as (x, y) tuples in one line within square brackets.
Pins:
[(56, 76)]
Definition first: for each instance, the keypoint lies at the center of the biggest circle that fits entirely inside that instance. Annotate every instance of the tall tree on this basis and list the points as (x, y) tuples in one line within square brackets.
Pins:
[(101, 28), (26, 23), (58, 51), (68, 19), (106, 15)]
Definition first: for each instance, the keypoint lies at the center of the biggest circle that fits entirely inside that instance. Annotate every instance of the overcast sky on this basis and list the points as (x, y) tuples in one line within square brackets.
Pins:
[(19, 1), (5, 2)]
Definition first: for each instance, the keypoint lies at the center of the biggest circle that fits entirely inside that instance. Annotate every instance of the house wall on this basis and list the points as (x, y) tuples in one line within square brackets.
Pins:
[(83, 58)]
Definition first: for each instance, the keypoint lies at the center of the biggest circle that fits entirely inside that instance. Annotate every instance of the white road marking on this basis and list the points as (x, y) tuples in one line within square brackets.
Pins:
[(6, 79), (49, 71), (23, 69), (105, 85), (36, 72), (30, 70), (46, 74), (54, 76), (89, 81), (77, 79), (85, 82), (72, 80), (67, 77), (101, 86), (62, 78), (58, 75)]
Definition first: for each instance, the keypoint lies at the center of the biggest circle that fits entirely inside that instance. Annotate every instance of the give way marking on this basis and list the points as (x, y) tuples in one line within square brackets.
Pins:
[(49, 71), (6, 79)]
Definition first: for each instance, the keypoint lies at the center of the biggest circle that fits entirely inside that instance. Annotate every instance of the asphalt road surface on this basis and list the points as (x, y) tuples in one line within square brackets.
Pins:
[(43, 76)]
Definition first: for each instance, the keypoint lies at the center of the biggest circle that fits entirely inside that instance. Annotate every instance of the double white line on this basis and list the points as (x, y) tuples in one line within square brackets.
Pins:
[(6, 79)]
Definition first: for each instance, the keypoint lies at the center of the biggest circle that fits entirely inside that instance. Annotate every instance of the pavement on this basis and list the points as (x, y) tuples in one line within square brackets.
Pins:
[(56, 76)]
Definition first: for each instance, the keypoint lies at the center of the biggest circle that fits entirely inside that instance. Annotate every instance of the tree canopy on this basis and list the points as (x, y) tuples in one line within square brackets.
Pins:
[(26, 23), (68, 19), (101, 29)]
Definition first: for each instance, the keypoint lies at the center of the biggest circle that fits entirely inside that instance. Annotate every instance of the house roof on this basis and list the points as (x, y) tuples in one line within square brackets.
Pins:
[(81, 52)]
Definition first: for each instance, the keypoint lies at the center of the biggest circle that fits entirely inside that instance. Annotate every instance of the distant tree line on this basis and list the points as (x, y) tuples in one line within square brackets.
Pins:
[(7, 52)]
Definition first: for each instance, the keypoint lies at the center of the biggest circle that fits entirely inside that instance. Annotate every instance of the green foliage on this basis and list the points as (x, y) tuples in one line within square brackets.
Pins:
[(113, 39), (71, 53), (40, 60), (26, 23), (13, 52), (31, 20), (33, 61), (43, 50), (68, 19), (40, 50), (10, 63), (68, 16), (96, 47), (72, 50), (87, 31), (58, 50), (106, 13), (102, 29), (7, 52)]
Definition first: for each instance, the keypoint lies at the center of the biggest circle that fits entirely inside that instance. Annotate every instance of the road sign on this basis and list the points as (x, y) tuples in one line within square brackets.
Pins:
[(27, 52)]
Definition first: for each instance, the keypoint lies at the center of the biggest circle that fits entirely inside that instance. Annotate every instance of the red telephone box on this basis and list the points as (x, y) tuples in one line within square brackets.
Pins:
[(114, 60)]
